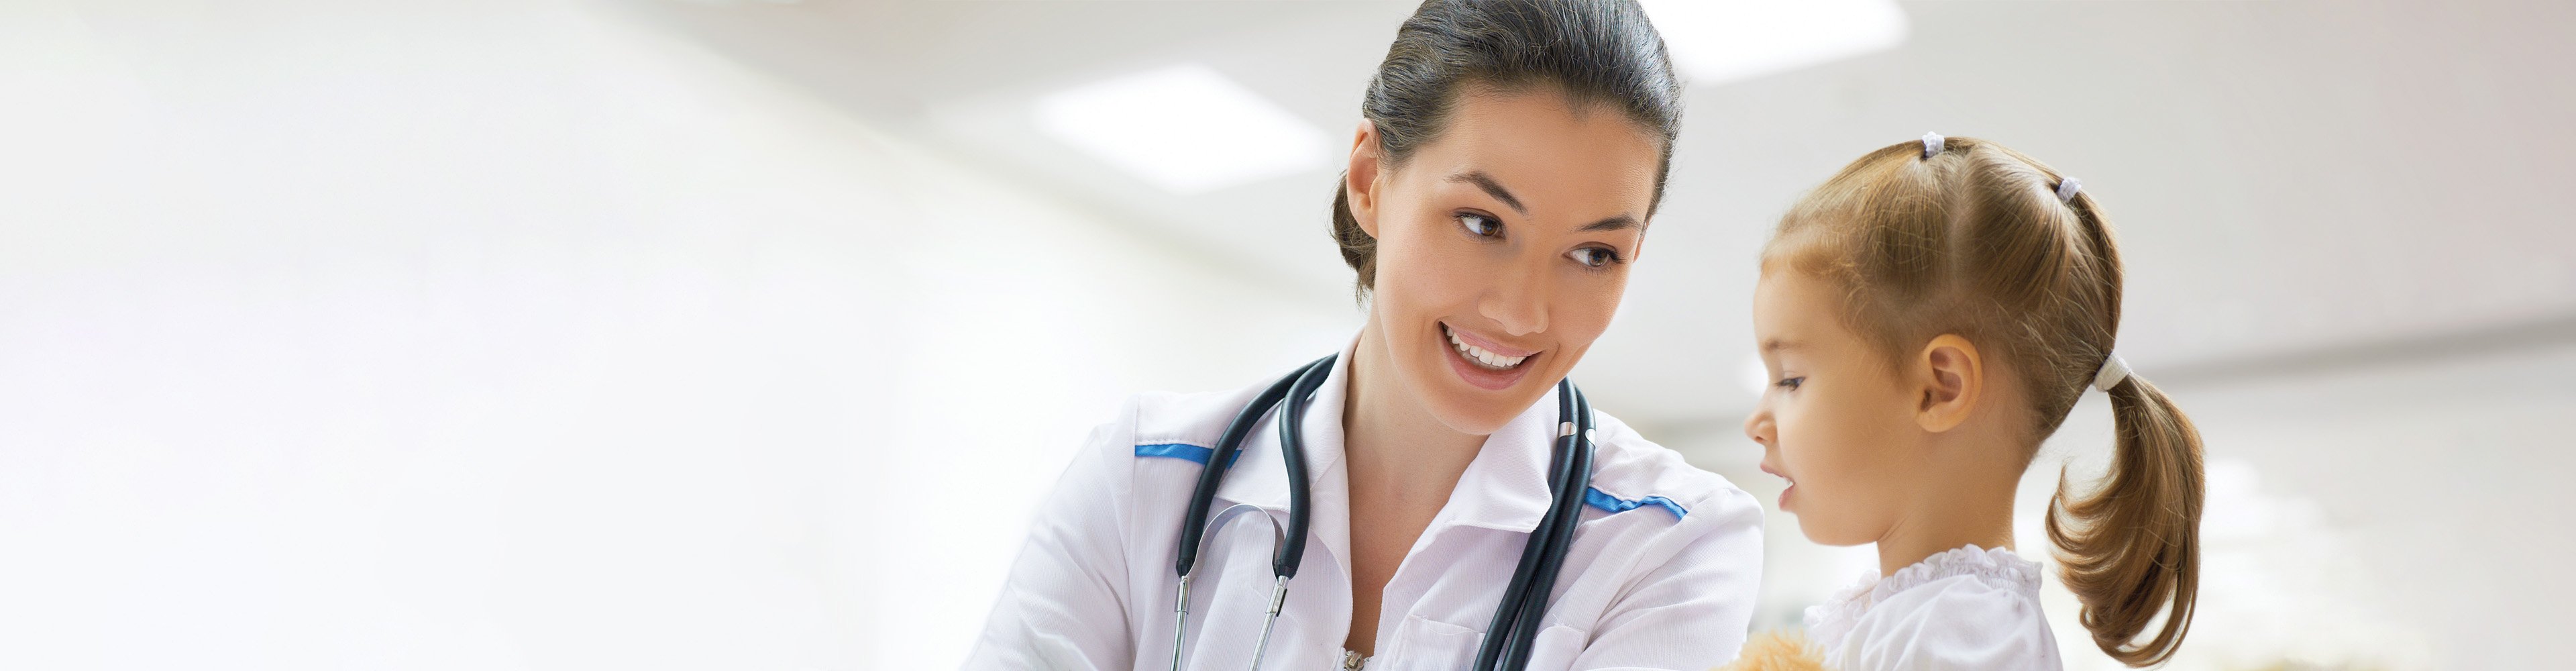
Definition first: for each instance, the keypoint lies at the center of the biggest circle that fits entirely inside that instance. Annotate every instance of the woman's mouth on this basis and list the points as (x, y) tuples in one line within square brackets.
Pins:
[(1484, 363)]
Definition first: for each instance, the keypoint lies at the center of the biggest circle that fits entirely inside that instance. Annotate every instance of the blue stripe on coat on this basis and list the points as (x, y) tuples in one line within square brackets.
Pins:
[(1612, 504), (1182, 451)]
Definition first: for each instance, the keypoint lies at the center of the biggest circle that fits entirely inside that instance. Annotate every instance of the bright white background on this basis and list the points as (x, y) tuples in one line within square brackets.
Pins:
[(509, 335), (663, 335)]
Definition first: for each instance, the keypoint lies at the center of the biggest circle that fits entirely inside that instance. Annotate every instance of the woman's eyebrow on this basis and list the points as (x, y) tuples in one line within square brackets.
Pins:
[(1612, 224), (1491, 187), (1495, 189)]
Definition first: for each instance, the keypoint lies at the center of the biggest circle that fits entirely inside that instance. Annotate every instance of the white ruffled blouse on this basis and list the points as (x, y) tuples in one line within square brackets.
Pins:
[(1968, 608)]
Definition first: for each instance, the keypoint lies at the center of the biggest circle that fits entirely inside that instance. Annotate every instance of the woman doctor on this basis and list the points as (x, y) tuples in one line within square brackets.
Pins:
[(1499, 186)]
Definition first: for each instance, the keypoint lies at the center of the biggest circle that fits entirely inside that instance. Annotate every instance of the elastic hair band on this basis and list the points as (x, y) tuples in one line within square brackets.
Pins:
[(1932, 144), (2067, 188), (2113, 372)]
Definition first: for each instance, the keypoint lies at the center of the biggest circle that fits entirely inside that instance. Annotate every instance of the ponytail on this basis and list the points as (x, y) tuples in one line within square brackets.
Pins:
[(2133, 545)]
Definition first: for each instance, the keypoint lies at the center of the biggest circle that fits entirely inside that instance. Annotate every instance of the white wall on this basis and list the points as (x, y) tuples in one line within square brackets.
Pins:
[(507, 335)]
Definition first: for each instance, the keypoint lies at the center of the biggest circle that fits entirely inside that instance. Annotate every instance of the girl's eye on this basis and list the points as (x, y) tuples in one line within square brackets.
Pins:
[(1790, 384), (1595, 257), (1480, 225)]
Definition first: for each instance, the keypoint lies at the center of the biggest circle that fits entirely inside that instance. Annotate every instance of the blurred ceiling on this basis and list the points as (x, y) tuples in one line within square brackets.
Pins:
[(2288, 178)]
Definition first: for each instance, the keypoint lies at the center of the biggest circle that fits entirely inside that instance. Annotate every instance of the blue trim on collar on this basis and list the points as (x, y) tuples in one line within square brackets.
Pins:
[(1611, 504), (1183, 451)]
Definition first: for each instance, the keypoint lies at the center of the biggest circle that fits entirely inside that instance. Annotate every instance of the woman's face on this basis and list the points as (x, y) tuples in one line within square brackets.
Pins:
[(1502, 248)]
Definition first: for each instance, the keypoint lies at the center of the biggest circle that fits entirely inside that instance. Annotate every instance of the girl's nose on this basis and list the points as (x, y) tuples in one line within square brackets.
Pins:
[(1757, 426)]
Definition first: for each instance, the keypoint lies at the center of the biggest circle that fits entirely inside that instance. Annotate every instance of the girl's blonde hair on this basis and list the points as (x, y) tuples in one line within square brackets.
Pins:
[(1973, 240)]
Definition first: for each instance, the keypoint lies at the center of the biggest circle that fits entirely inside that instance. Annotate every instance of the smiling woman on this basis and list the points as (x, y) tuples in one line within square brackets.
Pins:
[(1498, 191), (1511, 237)]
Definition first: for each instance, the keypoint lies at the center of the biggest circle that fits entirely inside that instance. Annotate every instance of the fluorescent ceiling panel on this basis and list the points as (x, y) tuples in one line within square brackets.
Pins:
[(1726, 40), (1184, 128)]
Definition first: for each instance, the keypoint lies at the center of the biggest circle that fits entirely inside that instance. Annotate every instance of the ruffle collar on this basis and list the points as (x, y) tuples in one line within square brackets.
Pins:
[(1829, 622)]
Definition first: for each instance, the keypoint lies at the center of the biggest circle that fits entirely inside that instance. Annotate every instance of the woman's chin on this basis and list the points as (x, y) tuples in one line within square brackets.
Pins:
[(1475, 410), (1471, 397)]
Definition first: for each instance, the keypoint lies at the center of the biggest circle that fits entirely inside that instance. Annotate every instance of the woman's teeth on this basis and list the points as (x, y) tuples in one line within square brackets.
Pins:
[(1482, 357)]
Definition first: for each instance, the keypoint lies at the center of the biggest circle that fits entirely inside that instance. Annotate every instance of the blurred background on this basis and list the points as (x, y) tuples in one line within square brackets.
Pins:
[(652, 334)]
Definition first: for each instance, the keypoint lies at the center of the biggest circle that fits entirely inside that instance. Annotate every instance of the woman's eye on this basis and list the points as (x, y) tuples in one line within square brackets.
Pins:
[(1481, 225), (1791, 384), (1595, 256)]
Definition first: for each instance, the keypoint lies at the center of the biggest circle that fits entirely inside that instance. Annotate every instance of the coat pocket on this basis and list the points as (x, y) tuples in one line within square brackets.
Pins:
[(1425, 644), (1556, 648)]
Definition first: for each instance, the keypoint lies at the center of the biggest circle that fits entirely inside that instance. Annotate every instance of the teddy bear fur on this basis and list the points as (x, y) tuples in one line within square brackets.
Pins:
[(1777, 651)]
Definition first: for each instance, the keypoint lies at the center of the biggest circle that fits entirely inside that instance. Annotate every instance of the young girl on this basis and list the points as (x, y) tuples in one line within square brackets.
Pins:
[(1928, 316)]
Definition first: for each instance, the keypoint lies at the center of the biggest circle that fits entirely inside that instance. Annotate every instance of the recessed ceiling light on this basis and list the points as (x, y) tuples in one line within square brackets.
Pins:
[(1726, 40), (1184, 128)]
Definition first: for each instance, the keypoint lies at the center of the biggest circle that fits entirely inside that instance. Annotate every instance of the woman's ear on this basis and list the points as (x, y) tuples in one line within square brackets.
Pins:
[(1359, 180), (1953, 378)]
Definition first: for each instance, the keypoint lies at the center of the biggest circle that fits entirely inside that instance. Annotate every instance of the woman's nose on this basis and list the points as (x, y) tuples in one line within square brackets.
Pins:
[(1518, 302)]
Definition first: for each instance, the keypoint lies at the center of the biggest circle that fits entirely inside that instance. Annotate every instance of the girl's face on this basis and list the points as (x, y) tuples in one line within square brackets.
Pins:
[(1502, 248), (1836, 422)]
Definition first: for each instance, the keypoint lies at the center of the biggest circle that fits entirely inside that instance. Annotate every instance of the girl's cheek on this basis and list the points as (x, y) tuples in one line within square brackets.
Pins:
[(1816, 449)]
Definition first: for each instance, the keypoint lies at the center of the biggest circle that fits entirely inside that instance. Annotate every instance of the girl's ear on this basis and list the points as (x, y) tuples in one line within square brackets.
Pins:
[(1952, 377), (1359, 180)]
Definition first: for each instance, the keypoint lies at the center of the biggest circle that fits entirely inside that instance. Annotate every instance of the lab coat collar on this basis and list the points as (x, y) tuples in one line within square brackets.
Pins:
[(1504, 487), (1259, 478)]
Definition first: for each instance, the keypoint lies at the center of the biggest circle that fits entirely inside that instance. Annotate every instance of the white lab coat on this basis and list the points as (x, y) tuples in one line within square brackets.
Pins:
[(1662, 573)]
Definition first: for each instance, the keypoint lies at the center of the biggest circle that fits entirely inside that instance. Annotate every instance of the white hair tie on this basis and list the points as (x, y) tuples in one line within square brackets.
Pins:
[(2067, 188), (2113, 372), (1932, 144)]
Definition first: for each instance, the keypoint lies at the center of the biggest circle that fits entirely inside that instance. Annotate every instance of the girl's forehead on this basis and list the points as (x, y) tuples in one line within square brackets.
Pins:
[(1798, 311)]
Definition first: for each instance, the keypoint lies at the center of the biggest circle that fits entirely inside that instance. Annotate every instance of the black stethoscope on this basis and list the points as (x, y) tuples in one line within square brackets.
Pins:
[(1524, 600)]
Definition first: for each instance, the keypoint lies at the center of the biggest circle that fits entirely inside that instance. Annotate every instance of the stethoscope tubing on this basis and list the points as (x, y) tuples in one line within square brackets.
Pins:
[(1509, 637), (1194, 520), (1513, 630)]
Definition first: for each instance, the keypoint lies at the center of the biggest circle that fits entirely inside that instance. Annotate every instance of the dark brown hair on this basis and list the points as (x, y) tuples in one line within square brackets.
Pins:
[(1596, 52), (1973, 240)]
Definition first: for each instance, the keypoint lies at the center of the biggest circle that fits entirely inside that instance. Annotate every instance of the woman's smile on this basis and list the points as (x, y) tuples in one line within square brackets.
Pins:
[(1483, 362)]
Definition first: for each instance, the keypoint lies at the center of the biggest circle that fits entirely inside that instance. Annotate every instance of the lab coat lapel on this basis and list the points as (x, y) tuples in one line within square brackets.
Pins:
[(1505, 486), (1259, 478)]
